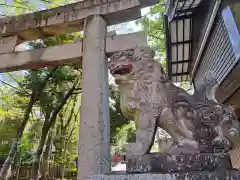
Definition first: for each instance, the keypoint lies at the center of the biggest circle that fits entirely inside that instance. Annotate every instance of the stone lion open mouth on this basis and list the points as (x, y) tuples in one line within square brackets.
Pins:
[(122, 70)]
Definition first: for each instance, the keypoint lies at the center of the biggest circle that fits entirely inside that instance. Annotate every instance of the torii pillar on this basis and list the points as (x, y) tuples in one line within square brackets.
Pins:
[(94, 146), (94, 135)]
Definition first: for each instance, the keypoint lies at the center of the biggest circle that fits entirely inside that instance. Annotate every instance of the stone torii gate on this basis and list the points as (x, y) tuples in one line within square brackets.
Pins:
[(93, 17)]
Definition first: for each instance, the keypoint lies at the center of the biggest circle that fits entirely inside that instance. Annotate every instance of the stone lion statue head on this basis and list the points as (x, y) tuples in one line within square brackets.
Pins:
[(127, 66)]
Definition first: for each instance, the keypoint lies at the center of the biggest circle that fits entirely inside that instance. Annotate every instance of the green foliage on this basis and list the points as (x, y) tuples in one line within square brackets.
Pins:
[(55, 40), (117, 120), (67, 132), (153, 25), (18, 7), (125, 135), (8, 128), (186, 86), (66, 38), (11, 114), (48, 96), (122, 129)]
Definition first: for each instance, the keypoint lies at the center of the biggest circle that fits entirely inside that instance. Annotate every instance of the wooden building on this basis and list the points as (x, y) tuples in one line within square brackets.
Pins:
[(203, 36)]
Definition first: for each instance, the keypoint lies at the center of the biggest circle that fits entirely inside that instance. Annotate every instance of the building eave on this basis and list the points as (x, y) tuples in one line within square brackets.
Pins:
[(178, 32)]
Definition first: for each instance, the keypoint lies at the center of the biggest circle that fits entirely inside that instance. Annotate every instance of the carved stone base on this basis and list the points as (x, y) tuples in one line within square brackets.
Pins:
[(164, 163), (224, 175)]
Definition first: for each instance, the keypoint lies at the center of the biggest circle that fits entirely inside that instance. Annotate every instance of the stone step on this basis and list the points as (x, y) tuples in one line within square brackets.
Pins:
[(164, 163), (217, 175)]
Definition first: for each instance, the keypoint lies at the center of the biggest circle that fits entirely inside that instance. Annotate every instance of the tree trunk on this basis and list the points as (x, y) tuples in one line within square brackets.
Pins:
[(36, 175), (62, 142), (62, 166), (64, 153), (46, 157), (46, 126), (65, 140), (64, 156), (18, 164), (6, 169)]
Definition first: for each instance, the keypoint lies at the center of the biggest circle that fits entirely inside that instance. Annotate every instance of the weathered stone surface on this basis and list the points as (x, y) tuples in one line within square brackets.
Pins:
[(7, 44), (64, 54), (196, 123), (204, 135), (94, 135), (39, 58), (163, 163), (125, 41), (70, 18), (217, 175), (145, 3)]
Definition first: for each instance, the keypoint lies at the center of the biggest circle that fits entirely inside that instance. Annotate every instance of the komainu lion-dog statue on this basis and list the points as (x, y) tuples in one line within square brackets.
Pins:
[(196, 123)]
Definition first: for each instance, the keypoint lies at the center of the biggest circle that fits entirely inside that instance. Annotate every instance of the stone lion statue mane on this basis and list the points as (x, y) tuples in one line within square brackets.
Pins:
[(196, 123)]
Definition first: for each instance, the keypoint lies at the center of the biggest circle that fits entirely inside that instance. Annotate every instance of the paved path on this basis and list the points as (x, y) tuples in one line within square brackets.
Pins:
[(119, 167)]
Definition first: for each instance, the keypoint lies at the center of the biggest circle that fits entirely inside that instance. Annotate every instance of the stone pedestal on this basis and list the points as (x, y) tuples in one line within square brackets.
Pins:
[(164, 163), (158, 166), (226, 175)]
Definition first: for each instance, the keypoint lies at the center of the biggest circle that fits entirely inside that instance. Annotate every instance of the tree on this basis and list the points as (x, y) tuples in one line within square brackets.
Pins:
[(50, 118), (33, 90), (9, 124), (153, 24), (37, 90), (122, 130), (66, 125), (65, 81), (117, 120), (35, 86)]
